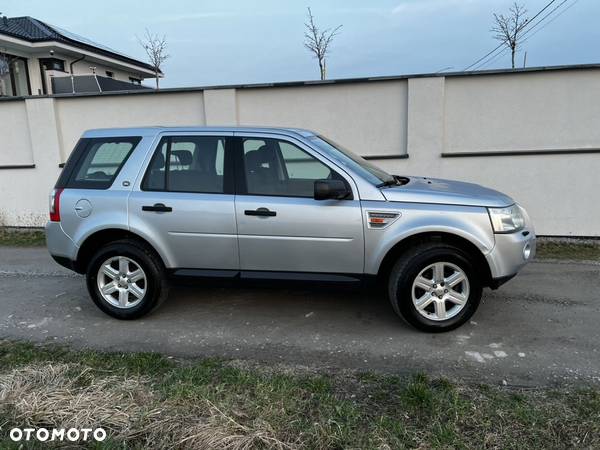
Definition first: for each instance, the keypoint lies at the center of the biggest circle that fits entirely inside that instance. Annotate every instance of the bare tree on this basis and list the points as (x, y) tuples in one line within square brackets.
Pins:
[(509, 29), (317, 41), (156, 49)]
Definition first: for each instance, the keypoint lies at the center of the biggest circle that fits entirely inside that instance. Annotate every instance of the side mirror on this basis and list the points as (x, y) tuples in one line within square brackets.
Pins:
[(331, 190)]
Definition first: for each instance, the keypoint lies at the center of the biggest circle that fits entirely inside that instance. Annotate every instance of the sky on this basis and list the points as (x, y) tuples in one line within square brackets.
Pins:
[(214, 42)]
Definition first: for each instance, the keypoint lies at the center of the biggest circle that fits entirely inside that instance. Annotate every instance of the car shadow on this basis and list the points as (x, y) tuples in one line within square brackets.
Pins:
[(344, 305)]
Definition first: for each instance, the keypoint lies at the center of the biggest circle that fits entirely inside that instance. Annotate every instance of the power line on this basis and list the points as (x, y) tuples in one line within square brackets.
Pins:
[(544, 18), (540, 12), (494, 58), (484, 57), (490, 61), (503, 44), (551, 20)]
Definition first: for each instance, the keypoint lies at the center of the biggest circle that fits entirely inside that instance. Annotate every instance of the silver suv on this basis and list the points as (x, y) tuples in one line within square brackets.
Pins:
[(137, 208)]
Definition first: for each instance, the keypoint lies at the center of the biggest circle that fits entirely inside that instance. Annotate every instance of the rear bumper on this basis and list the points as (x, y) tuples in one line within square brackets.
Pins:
[(62, 249), (65, 262)]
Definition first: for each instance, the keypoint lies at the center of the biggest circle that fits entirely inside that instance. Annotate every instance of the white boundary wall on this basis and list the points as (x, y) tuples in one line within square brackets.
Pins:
[(535, 134)]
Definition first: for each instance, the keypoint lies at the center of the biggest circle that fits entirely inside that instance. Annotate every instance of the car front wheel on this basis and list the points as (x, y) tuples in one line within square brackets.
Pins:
[(435, 287)]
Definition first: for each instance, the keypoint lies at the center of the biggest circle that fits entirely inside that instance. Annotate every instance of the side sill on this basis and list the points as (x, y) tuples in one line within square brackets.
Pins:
[(300, 276), (256, 275), (204, 273)]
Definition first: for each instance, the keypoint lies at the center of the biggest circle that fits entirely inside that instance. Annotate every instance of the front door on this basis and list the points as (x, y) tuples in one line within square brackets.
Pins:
[(281, 227), (186, 204)]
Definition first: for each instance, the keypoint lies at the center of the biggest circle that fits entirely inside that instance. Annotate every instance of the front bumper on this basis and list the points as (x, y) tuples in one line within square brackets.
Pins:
[(510, 254)]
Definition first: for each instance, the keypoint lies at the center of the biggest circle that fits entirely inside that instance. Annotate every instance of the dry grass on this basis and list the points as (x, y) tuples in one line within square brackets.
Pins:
[(148, 401), (67, 395), (70, 395)]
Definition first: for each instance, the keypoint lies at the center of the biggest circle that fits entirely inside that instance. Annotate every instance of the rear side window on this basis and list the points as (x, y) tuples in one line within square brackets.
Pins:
[(193, 164), (96, 162)]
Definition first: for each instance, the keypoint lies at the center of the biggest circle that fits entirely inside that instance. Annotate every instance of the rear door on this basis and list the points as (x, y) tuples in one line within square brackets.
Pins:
[(185, 202), (281, 227)]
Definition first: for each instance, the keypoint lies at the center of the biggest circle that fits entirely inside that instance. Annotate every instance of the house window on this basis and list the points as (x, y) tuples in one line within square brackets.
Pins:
[(135, 80), (110, 74), (14, 77), (53, 64)]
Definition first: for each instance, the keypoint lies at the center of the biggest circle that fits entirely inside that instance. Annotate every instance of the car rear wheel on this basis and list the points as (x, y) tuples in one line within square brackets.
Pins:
[(126, 280), (435, 287)]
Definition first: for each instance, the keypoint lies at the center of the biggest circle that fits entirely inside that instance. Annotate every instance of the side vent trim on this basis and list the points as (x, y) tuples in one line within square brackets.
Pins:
[(379, 220)]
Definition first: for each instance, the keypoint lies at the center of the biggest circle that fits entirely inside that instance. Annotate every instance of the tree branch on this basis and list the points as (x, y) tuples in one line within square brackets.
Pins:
[(156, 49), (317, 41), (507, 29)]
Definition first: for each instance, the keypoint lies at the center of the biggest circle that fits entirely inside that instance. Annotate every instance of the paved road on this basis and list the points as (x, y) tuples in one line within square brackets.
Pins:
[(542, 328)]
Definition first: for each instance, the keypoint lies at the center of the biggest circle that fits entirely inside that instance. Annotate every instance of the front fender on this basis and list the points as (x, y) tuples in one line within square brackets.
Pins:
[(471, 223)]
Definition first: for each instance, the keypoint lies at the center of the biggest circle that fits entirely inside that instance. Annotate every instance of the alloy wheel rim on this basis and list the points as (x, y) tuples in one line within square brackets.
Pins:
[(122, 282), (440, 291)]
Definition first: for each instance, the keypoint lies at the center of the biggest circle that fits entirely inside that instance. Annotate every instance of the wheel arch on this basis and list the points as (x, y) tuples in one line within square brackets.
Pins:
[(103, 237), (400, 247)]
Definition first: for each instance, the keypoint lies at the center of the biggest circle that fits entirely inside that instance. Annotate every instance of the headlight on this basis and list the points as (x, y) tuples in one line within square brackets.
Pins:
[(507, 220)]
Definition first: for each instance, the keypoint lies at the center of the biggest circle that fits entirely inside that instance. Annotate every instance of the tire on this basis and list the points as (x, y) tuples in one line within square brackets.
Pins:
[(143, 295), (459, 302)]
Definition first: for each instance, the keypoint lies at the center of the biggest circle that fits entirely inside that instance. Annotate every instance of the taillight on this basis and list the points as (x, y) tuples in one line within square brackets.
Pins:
[(55, 205)]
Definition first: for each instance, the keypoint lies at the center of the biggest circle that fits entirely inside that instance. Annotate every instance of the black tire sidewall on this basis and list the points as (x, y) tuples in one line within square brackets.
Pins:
[(404, 279), (145, 261)]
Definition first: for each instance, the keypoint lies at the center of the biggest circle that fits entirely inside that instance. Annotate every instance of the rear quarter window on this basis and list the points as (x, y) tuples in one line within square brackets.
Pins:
[(96, 162)]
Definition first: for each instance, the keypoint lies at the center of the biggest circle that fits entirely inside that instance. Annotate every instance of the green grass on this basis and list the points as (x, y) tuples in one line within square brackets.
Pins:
[(22, 237), (289, 408), (560, 250)]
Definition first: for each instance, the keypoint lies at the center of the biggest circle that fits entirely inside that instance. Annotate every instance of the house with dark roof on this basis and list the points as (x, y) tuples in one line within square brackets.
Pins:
[(37, 58)]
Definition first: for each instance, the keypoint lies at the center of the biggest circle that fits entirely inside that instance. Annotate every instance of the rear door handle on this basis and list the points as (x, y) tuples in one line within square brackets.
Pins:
[(157, 207), (264, 212)]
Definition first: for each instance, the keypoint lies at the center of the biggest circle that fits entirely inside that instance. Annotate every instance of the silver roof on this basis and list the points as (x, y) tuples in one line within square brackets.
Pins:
[(151, 131)]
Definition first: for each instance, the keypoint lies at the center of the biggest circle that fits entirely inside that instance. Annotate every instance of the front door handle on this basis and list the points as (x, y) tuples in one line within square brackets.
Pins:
[(157, 207), (263, 212)]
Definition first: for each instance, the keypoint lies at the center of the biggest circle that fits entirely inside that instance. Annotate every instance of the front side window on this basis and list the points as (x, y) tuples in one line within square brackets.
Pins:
[(187, 164), (351, 160), (98, 161), (279, 168)]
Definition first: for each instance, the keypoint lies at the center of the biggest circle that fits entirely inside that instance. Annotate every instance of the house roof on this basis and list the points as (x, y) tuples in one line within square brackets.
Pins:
[(34, 30)]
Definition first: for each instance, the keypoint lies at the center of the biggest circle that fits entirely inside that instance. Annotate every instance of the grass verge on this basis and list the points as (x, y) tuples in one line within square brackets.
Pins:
[(562, 250), (18, 237), (149, 401)]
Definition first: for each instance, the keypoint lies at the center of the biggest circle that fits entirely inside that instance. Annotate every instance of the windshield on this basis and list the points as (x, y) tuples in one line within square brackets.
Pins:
[(353, 161)]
